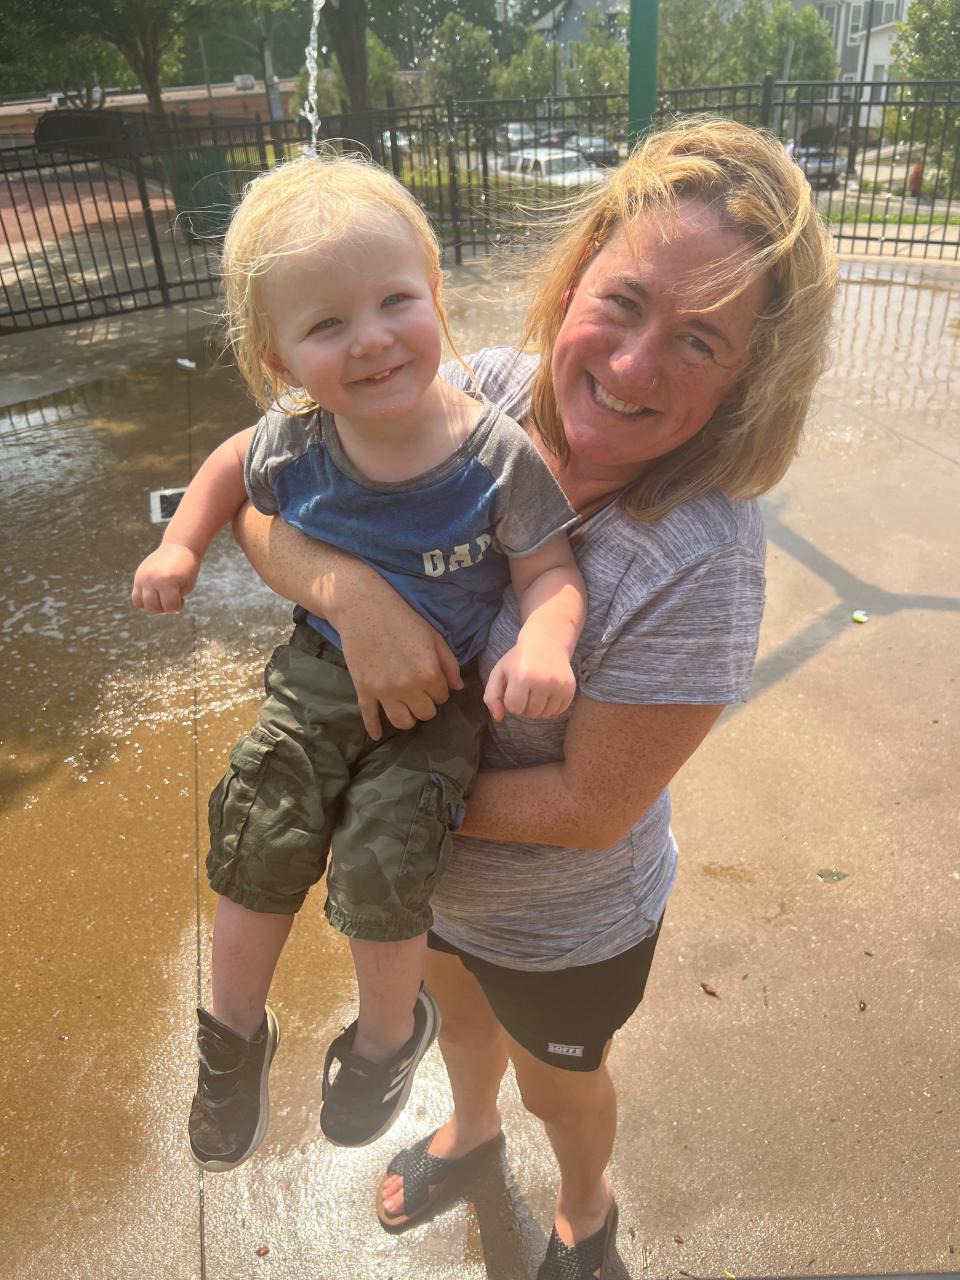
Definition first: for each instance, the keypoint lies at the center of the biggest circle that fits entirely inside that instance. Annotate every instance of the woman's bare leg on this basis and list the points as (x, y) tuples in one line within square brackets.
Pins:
[(246, 948), (474, 1049), (579, 1113)]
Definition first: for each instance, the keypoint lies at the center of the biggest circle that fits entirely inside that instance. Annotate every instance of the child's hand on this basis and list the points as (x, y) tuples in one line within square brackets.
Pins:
[(535, 684), (165, 578)]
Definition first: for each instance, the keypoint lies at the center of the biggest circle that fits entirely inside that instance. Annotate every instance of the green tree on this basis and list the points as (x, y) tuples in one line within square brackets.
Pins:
[(928, 41), (926, 49), (758, 36), (599, 62), (146, 32), (704, 42), (347, 22), (79, 69), (328, 95), (461, 59), (236, 39), (382, 80), (528, 74), (406, 26), (692, 40), (814, 55), (745, 46)]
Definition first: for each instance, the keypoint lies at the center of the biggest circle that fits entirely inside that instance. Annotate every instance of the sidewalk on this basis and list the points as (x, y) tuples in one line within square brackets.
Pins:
[(804, 1120)]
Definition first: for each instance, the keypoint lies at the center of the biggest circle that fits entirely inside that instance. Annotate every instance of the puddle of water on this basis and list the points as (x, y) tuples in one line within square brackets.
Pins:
[(78, 663), (895, 364)]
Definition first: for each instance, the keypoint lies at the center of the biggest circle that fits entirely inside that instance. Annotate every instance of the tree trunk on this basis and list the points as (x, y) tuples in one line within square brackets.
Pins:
[(144, 57), (347, 24)]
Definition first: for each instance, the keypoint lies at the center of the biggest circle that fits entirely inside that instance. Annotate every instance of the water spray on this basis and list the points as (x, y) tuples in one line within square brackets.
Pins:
[(309, 108)]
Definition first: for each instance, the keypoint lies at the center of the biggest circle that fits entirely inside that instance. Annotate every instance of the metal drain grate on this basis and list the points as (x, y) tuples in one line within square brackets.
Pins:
[(163, 503)]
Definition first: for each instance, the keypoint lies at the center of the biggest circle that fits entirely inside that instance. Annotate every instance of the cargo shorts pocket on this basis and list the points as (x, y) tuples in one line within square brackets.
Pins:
[(234, 796), (440, 812)]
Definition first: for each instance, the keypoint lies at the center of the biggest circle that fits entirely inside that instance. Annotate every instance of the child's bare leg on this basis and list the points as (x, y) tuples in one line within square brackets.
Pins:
[(388, 978), (246, 948)]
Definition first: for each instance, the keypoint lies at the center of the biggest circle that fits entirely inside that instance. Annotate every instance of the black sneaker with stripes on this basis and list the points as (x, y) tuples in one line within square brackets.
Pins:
[(362, 1099), (231, 1107)]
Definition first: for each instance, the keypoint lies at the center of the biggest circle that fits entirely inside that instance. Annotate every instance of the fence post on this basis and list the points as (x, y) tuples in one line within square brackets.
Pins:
[(484, 141), (391, 130), (133, 150), (766, 100), (261, 145), (642, 96), (453, 177)]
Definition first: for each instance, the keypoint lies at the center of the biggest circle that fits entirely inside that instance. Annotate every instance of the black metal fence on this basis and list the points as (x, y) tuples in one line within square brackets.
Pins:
[(134, 219)]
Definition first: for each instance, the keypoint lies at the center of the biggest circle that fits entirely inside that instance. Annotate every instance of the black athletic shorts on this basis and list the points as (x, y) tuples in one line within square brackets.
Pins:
[(564, 1017)]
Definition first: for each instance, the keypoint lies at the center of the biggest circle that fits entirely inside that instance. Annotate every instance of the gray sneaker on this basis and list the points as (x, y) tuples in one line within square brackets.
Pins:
[(231, 1108)]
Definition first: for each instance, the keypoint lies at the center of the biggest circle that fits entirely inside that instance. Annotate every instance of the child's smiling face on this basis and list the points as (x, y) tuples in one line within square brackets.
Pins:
[(354, 322)]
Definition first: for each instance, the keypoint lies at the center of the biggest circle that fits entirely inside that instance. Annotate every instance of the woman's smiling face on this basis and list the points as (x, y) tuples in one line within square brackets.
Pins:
[(637, 368)]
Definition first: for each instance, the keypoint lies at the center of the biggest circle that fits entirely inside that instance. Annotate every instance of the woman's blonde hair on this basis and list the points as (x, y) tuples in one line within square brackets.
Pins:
[(744, 176), (298, 205)]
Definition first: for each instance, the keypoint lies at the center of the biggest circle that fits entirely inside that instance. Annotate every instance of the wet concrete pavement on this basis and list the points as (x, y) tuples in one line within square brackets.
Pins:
[(804, 1120)]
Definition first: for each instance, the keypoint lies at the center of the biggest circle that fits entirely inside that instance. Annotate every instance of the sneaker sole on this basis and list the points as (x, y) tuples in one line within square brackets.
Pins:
[(430, 1034), (273, 1044)]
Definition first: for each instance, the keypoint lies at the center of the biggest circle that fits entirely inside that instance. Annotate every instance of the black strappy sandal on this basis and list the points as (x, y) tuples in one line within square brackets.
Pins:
[(427, 1179), (586, 1260)]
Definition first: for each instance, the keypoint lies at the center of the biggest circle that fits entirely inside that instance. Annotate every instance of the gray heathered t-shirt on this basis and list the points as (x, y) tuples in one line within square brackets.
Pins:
[(674, 617)]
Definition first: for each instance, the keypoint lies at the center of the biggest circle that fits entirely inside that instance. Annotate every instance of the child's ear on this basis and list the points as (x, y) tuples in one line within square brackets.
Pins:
[(276, 366)]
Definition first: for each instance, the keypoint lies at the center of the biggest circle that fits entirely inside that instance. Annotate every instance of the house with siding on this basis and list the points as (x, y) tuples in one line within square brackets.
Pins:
[(563, 23), (859, 58)]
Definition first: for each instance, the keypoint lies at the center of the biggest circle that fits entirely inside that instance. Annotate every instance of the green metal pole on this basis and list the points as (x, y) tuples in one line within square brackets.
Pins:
[(644, 22)]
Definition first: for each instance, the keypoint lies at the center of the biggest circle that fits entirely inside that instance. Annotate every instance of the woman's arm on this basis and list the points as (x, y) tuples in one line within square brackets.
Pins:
[(617, 760), (397, 660)]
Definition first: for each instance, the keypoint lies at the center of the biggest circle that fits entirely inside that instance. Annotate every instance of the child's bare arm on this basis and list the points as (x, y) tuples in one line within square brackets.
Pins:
[(535, 677), (213, 497)]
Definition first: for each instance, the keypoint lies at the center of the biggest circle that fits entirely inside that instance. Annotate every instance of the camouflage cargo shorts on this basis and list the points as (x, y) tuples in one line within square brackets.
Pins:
[(309, 779)]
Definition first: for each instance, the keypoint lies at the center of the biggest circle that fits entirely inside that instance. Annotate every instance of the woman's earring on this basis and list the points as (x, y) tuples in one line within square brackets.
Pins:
[(587, 254)]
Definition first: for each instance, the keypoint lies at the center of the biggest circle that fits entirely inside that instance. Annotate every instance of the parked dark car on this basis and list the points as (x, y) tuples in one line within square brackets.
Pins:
[(514, 135), (556, 136), (823, 167), (594, 149)]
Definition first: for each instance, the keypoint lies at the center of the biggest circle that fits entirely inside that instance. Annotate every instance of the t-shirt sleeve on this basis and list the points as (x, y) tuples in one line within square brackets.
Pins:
[(455, 375), (692, 640), (278, 440), (532, 506), (502, 374)]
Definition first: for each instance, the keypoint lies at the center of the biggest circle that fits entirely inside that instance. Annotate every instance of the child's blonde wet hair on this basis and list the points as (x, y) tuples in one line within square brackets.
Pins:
[(299, 205), (744, 176)]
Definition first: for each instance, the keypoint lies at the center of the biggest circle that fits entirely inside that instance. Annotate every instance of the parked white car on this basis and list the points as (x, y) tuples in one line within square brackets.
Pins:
[(554, 168)]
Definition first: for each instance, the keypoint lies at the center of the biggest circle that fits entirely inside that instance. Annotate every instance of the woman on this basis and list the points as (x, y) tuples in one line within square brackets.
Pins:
[(680, 321)]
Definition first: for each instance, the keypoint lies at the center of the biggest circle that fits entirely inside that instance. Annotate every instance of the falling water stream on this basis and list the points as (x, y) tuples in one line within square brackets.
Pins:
[(309, 108)]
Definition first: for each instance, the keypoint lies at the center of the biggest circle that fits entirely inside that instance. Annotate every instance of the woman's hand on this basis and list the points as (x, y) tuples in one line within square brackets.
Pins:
[(397, 660)]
